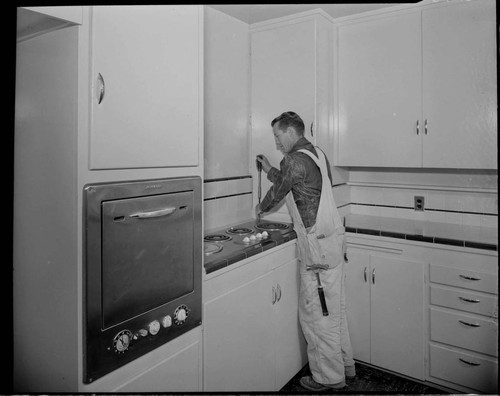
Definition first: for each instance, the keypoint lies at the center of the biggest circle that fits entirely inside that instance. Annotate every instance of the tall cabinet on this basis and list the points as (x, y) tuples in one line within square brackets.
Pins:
[(417, 87), (147, 125), (291, 63)]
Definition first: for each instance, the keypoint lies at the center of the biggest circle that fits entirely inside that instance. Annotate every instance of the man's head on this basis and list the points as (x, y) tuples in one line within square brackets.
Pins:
[(288, 128)]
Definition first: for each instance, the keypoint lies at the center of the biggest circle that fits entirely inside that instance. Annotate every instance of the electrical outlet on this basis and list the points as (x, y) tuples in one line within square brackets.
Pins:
[(419, 203)]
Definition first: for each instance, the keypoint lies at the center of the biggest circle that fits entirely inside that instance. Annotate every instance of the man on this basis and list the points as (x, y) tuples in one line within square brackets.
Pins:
[(305, 181)]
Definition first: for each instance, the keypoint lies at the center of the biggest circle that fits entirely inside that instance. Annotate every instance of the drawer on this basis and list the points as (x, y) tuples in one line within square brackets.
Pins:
[(481, 304), (466, 279), (464, 369), (464, 331)]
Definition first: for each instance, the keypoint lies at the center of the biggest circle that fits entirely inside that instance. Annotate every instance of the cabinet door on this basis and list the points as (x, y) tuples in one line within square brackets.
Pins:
[(290, 343), (239, 334), (178, 373), (146, 62), (379, 88), (397, 315), (460, 86), (358, 303)]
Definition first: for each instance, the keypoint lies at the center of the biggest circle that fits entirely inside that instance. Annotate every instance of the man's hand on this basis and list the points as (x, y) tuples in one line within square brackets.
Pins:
[(266, 166), (258, 212)]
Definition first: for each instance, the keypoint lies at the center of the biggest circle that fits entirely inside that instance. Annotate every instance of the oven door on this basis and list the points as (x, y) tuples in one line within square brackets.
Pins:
[(143, 274)]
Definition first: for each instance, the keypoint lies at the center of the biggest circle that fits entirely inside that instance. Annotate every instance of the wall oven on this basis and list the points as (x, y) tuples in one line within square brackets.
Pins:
[(142, 268)]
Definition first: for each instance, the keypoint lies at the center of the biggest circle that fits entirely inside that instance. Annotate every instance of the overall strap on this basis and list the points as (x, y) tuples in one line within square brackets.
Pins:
[(328, 195)]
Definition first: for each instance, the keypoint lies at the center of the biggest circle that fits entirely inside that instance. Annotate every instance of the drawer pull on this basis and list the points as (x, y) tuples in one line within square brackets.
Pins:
[(470, 324), (469, 363), (469, 277), (470, 300)]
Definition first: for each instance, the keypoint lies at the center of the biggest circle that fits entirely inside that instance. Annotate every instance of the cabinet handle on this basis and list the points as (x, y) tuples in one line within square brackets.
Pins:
[(469, 277), (364, 275), (425, 126), (373, 276), (470, 300), (312, 134), (274, 295), (278, 290), (102, 88), (469, 363), (154, 213), (470, 324), (418, 128)]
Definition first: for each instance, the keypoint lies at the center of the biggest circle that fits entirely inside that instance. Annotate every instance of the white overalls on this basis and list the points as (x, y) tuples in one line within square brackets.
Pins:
[(328, 343)]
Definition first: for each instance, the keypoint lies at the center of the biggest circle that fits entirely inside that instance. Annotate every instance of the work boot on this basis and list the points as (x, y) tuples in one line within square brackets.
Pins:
[(309, 384), (350, 371)]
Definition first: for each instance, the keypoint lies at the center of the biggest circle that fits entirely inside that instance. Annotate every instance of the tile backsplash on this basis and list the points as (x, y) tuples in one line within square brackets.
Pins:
[(227, 201), (453, 199)]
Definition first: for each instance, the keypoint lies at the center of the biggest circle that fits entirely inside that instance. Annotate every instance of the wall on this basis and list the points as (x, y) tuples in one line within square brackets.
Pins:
[(227, 181), (451, 196)]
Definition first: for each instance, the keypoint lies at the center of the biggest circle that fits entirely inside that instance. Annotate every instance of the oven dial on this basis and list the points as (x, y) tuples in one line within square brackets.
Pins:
[(166, 321), (154, 327), (121, 342), (181, 314)]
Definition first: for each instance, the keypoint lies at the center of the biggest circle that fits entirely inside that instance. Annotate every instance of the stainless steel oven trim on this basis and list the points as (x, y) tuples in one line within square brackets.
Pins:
[(93, 195)]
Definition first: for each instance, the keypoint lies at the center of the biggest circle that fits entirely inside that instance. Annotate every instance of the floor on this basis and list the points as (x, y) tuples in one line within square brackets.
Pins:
[(367, 381)]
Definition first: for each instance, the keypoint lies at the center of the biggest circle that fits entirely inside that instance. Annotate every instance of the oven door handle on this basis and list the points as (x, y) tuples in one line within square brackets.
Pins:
[(154, 213)]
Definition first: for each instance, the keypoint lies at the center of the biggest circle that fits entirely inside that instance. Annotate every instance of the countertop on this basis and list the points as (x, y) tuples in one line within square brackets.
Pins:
[(413, 230), (424, 231)]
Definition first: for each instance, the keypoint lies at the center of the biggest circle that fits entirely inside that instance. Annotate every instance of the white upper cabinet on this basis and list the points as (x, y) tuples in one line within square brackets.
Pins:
[(379, 91), (146, 71), (418, 88), (460, 86)]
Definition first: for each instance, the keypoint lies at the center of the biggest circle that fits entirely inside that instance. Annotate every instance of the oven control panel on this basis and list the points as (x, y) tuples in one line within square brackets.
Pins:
[(125, 338)]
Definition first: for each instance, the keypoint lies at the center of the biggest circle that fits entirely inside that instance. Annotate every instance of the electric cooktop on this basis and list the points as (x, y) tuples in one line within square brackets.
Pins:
[(231, 244)]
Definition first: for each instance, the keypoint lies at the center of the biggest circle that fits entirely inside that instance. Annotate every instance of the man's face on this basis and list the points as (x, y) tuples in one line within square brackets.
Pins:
[(283, 140)]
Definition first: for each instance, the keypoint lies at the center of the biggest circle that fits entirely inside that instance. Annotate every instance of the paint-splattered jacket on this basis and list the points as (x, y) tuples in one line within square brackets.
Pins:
[(299, 174)]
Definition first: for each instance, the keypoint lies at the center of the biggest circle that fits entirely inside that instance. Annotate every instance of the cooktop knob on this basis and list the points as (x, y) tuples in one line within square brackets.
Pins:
[(154, 327), (166, 321), (181, 314), (121, 341)]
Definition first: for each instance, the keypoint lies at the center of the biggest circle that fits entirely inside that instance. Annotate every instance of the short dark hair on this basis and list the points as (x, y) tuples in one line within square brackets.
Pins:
[(287, 119)]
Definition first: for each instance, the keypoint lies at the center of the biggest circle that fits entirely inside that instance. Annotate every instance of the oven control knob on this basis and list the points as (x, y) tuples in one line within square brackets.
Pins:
[(121, 342), (181, 314), (154, 327), (166, 321)]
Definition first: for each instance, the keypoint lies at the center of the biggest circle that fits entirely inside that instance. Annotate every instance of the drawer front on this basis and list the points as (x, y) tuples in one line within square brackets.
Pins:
[(464, 369), (476, 303), (466, 279), (464, 331)]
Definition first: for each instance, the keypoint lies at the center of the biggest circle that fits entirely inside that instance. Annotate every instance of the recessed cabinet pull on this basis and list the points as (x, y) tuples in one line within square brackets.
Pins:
[(470, 300), (470, 324), (425, 126), (373, 276), (469, 277), (274, 295), (469, 363), (364, 275), (101, 89), (418, 128), (312, 134), (278, 290)]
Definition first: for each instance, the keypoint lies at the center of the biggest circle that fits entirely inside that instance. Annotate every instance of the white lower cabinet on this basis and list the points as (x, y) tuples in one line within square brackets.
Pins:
[(463, 320), (252, 336), (424, 310), (385, 308)]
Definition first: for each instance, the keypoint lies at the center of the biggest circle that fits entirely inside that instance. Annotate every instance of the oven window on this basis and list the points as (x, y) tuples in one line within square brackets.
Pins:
[(147, 254)]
